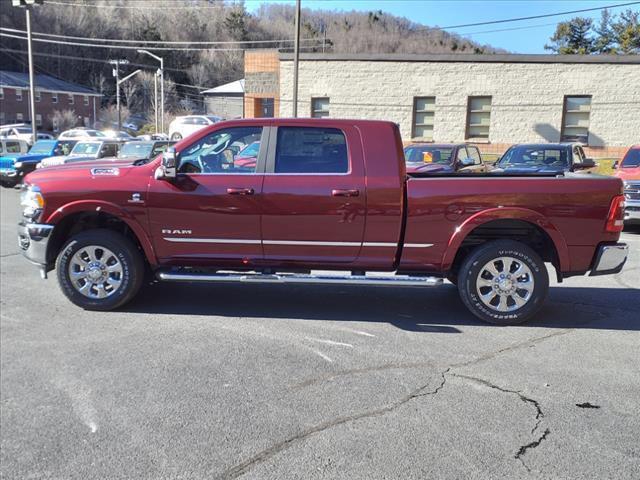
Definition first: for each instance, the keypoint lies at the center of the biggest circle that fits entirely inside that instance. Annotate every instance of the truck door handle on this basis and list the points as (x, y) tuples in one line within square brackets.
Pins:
[(240, 191), (345, 193)]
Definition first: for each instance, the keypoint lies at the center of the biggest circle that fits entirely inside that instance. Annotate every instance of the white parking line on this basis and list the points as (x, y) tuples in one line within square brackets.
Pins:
[(320, 354), (330, 342)]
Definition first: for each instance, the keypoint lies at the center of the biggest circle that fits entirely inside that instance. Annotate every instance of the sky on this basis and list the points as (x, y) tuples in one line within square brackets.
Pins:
[(449, 12)]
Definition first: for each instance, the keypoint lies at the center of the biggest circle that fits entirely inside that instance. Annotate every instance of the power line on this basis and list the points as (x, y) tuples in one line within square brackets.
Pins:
[(538, 16), (130, 7), (158, 42), (131, 47)]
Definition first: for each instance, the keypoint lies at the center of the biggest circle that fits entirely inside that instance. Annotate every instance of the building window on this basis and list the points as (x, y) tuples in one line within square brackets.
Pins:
[(86, 121), (1, 93), (478, 118), (423, 115), (1, 118), (70, 99), (54, 98), (18, 95), (86, 100), (38, 120), (37, 95), (19, 117), (320, 107), (575, 119)]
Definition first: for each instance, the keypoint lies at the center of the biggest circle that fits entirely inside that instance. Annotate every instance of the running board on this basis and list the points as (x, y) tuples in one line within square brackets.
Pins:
[(325, 278)]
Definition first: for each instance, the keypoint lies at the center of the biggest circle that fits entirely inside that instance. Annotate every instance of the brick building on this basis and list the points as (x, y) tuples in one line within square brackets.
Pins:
[(492, 100), (51, 94)]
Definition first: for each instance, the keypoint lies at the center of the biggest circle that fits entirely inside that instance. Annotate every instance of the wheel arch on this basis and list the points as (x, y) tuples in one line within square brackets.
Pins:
[(509, 223), (83, 215)]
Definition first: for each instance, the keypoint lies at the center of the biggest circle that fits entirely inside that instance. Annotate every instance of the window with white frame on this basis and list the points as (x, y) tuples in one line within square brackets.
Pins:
[(18, 95), (1, 93), (70, 99), (38, 120), (478, 118), (54, 97), (86, 100), (575, 119), (19, 117), (38, 96), (2, 118), (320, 107), (423, 117)]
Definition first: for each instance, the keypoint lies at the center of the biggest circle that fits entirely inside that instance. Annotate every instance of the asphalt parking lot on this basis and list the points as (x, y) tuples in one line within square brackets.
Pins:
[(192, 381)]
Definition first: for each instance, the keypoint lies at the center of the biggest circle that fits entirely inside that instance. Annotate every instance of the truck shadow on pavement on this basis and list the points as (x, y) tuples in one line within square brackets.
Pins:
[(436, 310)]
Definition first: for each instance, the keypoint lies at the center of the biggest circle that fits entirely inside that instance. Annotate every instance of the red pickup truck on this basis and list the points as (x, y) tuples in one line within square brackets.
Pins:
[(327, 202)]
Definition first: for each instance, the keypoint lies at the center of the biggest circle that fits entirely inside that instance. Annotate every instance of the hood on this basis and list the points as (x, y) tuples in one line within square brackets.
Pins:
[(83, 163), (628, 173), (429, 168), (82, 171), (528, 169)]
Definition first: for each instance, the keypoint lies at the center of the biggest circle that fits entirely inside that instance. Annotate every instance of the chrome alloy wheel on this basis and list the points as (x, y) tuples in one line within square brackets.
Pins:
[(505, 284), (95, 272)]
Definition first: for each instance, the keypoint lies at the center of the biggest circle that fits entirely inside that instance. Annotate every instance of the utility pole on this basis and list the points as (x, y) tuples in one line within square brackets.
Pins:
[(161, 73), (116, 74), (296, 59), (155, 98), (27, 5)]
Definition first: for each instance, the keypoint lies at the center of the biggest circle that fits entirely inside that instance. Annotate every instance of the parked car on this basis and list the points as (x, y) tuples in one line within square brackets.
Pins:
[(248, 156), (119, 135), (45, 136), (13, 146), (13, 169), (135, 122), (184, 126), (628, 170), (81, 133), (140, 150), (84, 150), (326, 194), (19, 131), (443, 158), (545, 157)]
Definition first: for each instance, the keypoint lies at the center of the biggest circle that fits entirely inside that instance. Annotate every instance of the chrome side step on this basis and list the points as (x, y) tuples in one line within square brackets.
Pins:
[(318, 278)]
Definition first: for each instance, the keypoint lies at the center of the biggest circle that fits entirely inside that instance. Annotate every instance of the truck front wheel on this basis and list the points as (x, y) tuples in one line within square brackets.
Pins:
[(503, 282), (100, 269)]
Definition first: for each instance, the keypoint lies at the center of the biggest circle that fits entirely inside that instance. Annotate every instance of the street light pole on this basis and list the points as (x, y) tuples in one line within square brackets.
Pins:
[(296, 59), (32, 87), (155, 98), (161, 72), (116, 74)]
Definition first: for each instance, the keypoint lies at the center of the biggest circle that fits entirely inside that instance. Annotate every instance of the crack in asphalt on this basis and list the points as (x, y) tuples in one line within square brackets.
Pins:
[(539, 415), (244, 467)]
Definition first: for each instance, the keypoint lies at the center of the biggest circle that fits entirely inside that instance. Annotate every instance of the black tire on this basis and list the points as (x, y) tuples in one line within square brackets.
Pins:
[(176, 137), (9, 183), (473, 267), (131, 261)]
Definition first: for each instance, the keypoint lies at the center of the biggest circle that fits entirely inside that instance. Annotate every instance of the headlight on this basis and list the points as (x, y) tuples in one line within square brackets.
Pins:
[(32, 203), (17, 165)]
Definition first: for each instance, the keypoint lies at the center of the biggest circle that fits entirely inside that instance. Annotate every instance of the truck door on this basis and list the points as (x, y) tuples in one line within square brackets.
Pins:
[(314, 195), (210, 213)]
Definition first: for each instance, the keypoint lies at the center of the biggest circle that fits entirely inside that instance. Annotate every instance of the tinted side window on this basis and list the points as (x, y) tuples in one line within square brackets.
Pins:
[(13, 147), (311, 150)]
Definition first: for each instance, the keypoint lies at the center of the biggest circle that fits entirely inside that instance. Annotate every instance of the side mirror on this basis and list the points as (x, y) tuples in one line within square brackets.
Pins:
[(587, 163), (168, 169), (466, 162), (615, 165)]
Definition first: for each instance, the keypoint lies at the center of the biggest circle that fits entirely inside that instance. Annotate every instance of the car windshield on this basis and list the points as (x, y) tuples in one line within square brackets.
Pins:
[(250, 150), (94, 133), (534, 157), (135, 150), (42, 147), (631, 159), (86, 148), (23, 130), (428, 154), (214, 119)]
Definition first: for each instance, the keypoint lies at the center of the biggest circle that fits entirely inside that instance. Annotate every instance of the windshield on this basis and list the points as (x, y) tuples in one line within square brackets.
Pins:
[(23, 130), (86, 148), (250, 150), (428, 154), (135, 150), (41, 147), (94, 133), (631, 159), (534, 157)]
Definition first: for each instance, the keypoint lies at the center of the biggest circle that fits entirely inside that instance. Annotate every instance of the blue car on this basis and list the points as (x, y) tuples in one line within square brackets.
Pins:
[(14, 167)]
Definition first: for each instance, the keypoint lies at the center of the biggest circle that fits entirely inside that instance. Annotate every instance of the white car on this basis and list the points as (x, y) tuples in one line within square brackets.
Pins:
[(17, 132), (81, 133), (184, 126), (9, 146)]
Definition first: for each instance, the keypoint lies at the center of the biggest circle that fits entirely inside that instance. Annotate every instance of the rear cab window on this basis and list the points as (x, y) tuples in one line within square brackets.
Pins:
[(311, 150), (474, 153)]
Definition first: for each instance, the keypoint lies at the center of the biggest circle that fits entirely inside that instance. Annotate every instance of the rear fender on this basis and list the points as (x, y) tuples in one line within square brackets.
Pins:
[(112, 209), (507, 213)]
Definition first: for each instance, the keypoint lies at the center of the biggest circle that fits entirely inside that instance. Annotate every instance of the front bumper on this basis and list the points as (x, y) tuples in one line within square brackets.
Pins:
[(33, 239), (8, 173), (609, 259), (631, 212)]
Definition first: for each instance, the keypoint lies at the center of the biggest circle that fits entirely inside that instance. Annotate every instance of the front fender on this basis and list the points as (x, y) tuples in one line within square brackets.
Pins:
[(510, 213), (88, 206)]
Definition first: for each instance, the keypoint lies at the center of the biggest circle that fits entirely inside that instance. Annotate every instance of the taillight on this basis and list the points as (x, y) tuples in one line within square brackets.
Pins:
[(615, 219)]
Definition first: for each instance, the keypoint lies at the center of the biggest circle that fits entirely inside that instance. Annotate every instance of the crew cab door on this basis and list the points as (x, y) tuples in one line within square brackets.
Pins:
[(314, 195), (210, 213)]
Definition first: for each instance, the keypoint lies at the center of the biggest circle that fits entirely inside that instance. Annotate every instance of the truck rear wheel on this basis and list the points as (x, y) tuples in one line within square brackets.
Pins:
[(503, 282), (100, 269)]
